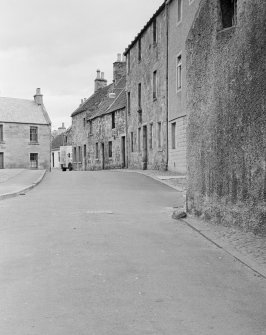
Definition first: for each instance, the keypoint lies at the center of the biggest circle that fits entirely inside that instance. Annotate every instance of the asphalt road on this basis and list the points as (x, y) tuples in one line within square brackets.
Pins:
[(97, 253)]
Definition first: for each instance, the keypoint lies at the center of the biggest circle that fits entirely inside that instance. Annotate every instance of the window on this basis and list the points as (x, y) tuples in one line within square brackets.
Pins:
[(1, 133), (128, 62), (179, 10), (139, 95), (33, 134), (154, 85), (59, 157), (128, 102), (139, 49), (90, 127), (151, 135), (173, 134), (229, 13), (84, 122), (110, 149), (132, 141), (75, 154), (84, 151), (139, 133), (159, 135), (113, 120), (80, 155), (178, 73), (1, 160), (97, 150), (154, 29), (33, 161)]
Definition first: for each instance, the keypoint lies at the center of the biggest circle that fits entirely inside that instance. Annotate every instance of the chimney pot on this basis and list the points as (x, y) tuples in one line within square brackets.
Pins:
[(119, 57), (102, 75), (98, 74)]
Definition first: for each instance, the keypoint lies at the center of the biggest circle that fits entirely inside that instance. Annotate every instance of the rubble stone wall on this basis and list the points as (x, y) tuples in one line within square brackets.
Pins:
[(102, 133), (153, 58), (226, 74)]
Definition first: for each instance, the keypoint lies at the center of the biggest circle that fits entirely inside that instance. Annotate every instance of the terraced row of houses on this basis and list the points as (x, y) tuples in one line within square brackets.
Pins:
[(190, 98)]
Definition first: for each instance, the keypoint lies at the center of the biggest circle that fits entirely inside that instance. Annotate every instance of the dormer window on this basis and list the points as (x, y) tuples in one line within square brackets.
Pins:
[(229, 13)]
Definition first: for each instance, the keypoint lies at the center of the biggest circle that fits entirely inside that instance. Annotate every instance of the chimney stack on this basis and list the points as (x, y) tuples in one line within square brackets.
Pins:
[(100, 82), (38, 97), (119, 68)]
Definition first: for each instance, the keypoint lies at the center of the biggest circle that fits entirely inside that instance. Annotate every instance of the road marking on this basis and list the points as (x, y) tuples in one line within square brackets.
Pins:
[(99, 212)]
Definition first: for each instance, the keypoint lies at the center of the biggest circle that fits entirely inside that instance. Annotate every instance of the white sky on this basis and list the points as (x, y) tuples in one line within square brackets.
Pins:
[(58, 45)]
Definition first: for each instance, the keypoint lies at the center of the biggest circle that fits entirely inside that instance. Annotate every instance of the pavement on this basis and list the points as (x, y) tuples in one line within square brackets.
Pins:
[(98, 253), (14, 182)]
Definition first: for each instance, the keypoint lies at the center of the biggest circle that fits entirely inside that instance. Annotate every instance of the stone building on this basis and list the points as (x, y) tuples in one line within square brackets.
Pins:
[(62, 139), (146, 95), (25, 133), (181, 14), (107, 126), (226, 74), (79, 121)]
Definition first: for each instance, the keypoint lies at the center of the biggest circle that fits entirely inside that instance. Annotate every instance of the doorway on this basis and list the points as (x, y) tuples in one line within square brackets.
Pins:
[(103, 156), (145, 149), (85, 156), (1, 160), (123, 151)]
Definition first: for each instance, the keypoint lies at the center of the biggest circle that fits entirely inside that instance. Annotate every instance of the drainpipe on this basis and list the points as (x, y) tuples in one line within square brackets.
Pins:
[(167, 67)]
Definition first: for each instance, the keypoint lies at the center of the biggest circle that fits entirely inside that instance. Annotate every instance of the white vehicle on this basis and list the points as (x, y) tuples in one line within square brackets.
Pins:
[(66, 157)]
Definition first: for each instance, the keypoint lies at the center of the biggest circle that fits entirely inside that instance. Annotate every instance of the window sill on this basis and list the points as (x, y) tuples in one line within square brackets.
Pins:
[(34, 143), (2, 142)]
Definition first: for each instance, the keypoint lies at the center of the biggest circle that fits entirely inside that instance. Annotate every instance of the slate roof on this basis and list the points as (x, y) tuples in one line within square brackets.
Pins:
[(22, 111), (93, 101), (159, 10), (109, 104)]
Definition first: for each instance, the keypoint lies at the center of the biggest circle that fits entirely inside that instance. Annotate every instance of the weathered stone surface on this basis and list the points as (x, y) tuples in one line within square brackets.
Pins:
[(227, 120), (17, 147), (102, 133), (179, 214), (153, 110)]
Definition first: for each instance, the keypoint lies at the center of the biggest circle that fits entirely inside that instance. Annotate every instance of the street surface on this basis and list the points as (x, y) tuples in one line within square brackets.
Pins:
[(97, 253)]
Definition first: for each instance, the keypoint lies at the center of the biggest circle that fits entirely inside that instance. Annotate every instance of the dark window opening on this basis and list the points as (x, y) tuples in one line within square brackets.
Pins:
[(113, 120), (229, 12), (128, 102), (97, 151), (132, 142), (139, 50), (139, 95), (154, 93), (1, 133), (154, 31), (110, 147), (84, 122)]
